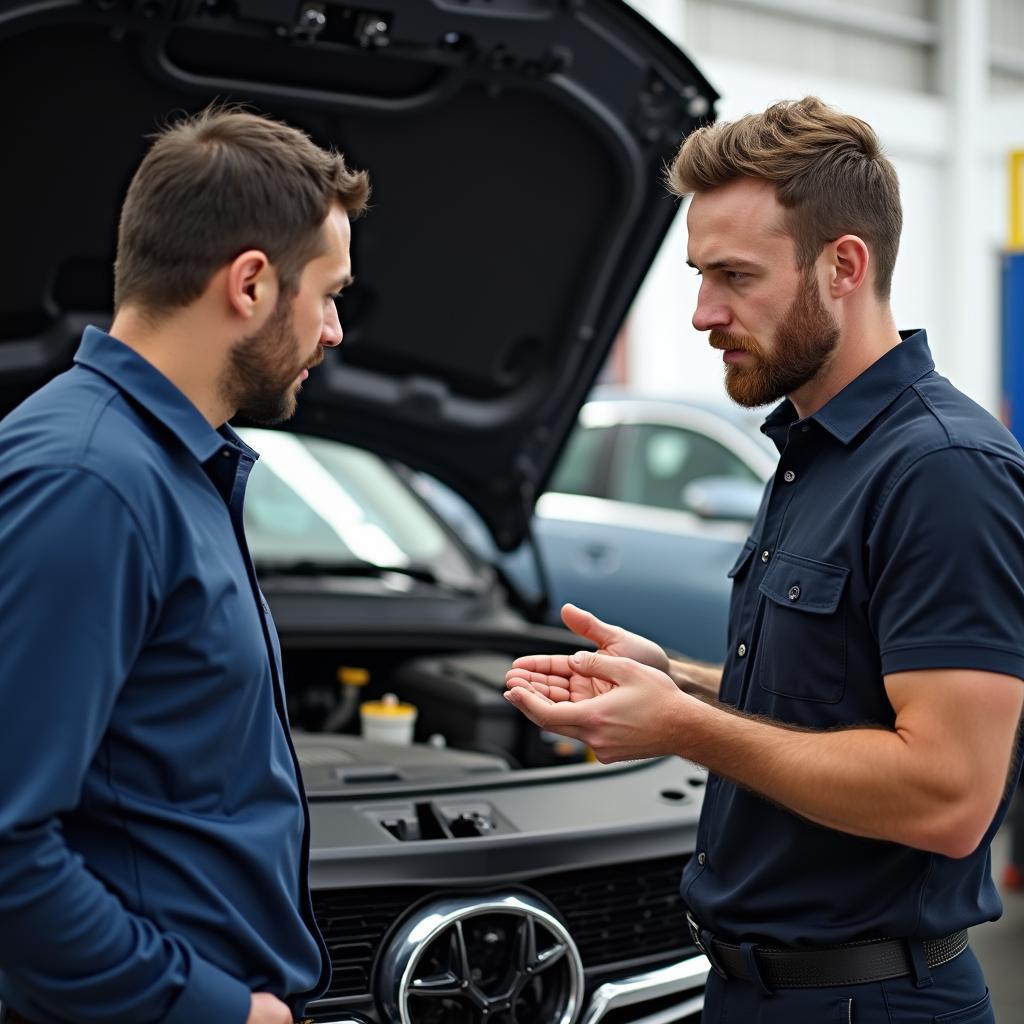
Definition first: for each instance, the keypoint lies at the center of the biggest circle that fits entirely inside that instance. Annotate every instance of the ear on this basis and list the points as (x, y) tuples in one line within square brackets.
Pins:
[(251, 283), (849, 262)]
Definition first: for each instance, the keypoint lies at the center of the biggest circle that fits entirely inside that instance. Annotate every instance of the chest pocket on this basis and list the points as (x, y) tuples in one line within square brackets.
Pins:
[(742, 559), (740, 621), (802, 644)]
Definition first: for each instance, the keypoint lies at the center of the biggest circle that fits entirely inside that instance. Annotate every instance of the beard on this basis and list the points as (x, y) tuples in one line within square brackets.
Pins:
[(804, 345), (260, 379)]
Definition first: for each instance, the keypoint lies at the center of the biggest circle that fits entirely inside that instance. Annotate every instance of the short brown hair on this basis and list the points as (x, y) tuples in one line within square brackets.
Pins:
[(827, 168), (216, 184)]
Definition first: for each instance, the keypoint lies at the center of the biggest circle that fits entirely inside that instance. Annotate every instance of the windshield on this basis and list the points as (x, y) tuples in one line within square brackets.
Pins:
[(320, 502)]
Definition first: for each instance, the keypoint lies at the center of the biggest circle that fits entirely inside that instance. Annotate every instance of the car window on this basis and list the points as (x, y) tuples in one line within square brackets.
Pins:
[(318, 500), (579, 469), (652, 464)]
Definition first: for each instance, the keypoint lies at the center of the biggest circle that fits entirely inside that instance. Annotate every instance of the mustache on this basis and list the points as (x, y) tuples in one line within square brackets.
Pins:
[(727, 342), (316, 360)]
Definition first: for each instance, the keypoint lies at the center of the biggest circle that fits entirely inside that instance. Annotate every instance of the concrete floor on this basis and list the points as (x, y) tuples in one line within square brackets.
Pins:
[(1000, 946)]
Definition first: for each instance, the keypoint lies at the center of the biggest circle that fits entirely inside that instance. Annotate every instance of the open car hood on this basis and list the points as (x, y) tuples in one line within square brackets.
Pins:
[(515, 148)]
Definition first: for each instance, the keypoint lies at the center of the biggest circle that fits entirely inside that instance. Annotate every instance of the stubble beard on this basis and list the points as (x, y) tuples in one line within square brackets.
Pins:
[(260, 379), (805, 343)]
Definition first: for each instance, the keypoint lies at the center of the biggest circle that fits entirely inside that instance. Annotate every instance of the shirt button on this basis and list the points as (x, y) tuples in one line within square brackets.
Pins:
[(225, 452), (765, 555), (794, 593), (741, 651), (702, 858), (789, 476)]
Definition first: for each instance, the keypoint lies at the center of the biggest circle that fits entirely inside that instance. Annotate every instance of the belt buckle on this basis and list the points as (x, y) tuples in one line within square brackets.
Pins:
[(703, 947)]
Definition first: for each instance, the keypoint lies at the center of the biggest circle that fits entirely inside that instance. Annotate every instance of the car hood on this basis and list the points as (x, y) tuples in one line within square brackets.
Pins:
[(516, 150)]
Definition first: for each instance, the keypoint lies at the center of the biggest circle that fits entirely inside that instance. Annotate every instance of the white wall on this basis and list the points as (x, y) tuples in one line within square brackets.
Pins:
[(947, 274)]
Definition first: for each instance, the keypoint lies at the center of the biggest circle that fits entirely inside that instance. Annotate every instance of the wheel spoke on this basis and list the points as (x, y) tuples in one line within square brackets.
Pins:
[(526, 943), (447, 984), (548, 957), (461, 951)]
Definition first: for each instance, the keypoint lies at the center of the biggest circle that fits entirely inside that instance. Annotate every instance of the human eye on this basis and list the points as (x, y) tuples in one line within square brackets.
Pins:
[(735, 276)]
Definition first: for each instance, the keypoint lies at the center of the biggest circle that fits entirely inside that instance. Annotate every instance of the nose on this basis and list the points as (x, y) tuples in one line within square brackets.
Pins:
[(331, 333), (711, 312)]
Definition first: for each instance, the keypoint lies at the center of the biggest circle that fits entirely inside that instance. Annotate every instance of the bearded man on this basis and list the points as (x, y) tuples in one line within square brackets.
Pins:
[(862, 734), (154, 838)]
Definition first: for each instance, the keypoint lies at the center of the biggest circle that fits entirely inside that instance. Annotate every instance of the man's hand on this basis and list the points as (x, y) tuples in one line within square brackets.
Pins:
[(265, 1008), (552, 675), (614, 640), (621, 709)]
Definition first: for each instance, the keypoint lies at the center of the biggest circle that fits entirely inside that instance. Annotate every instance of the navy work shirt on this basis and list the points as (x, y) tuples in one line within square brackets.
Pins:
[(153, 832), (891, 539)]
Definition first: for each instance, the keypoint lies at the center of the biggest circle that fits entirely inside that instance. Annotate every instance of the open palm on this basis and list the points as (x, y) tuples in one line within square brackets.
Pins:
[(553, 677)]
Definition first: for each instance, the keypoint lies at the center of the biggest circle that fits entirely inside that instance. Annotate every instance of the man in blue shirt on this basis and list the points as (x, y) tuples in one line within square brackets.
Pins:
[(861, 737), (154, 837)]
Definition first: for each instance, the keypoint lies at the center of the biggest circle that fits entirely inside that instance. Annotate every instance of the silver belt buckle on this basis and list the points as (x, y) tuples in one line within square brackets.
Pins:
[(702, 947)]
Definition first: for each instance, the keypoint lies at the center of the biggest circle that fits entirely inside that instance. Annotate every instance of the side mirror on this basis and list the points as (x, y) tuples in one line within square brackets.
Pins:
[(723, 497)]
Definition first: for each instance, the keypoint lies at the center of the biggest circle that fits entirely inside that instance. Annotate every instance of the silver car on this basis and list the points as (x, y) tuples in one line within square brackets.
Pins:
[(645, 514)]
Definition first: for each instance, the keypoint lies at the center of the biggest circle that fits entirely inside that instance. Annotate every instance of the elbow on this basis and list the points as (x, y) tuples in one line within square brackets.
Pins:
[(956, 832), (952, 808), (959, 845)]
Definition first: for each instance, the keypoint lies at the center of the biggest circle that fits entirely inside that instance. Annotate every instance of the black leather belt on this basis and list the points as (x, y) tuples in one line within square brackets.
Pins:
[(852, 963)]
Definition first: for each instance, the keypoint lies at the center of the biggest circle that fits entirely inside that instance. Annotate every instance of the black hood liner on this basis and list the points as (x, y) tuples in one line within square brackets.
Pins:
[(516, 151)]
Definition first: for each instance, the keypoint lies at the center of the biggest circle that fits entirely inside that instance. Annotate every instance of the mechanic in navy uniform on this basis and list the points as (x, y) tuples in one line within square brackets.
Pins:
[(862, 735), (154, 839)]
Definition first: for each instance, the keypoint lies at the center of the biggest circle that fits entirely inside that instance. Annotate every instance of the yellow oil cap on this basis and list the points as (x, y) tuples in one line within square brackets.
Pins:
[(389, 706), (350, 675)]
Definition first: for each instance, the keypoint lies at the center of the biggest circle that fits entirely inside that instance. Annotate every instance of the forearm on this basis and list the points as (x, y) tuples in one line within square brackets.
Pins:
[(696, 678), (933, 781), (867, 781)]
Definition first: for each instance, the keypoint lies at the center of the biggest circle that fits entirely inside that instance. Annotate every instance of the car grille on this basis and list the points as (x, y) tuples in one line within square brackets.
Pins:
[(622, 911), (353, 923), (617, 914)]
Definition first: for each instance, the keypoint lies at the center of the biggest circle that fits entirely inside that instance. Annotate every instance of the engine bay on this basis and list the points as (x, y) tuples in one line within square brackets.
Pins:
[(463, 724)]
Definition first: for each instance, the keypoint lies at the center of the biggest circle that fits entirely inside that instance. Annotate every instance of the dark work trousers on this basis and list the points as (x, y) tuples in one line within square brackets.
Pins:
[(956, 994)]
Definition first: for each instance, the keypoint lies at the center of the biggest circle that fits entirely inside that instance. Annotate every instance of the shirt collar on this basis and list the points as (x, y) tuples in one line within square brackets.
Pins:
[(144, 383), (849, 412)]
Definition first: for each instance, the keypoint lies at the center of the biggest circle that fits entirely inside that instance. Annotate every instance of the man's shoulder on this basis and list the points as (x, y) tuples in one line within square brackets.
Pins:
[(937, 416), (77, 421)]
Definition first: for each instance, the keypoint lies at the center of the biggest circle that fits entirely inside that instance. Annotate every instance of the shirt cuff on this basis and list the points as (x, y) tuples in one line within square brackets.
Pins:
[(953, 655), (211, 995)]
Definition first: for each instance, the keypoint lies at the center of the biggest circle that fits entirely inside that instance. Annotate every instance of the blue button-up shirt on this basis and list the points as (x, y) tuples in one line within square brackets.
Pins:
[(153, 832), (890, 539)]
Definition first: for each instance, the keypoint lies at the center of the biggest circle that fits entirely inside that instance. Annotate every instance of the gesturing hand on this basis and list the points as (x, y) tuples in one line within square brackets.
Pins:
[(265, 1008), (553, 677), (621, 709), (614, 640)]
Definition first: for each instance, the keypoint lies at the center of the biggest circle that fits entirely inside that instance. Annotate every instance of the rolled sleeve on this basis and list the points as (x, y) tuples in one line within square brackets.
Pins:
[(78, 593), (947, 555)]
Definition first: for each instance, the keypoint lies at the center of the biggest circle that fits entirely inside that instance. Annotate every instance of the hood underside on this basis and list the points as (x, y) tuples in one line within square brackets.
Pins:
[(516, 150)]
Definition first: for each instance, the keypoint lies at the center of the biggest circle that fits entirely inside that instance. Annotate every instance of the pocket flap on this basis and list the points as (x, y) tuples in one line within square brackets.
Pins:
[(744, 557), (804, 584)]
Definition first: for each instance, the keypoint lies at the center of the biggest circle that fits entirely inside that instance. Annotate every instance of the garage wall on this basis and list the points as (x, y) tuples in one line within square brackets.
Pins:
[(788, 36), (946, 128)]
